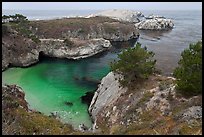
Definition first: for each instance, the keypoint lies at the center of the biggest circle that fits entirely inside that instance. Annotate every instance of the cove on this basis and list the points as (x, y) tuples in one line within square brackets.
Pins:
[(51, 83)]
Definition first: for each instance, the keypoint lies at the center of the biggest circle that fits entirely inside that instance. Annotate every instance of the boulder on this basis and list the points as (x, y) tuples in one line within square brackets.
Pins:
[(193, 112)]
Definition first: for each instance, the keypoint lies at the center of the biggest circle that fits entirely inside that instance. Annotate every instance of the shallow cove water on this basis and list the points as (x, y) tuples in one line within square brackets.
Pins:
[(52, 82)]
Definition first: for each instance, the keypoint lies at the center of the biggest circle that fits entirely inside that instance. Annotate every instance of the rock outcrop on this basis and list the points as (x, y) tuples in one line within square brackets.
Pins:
[(193, 112), (143, 110), (121, 15), (21, 51), (88, 35), (79, 49), (154, 22), (108, 92), (18, 50)]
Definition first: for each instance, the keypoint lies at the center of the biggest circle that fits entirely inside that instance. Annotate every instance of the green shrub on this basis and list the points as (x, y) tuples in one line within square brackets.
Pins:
[(134, 63), (189, 71), (68, 42)]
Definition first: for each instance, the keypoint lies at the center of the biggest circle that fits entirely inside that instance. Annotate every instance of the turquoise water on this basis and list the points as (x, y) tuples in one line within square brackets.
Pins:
[(52, 82)]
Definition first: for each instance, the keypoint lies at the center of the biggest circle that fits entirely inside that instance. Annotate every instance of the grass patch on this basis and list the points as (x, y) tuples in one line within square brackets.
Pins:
[(146, 97)]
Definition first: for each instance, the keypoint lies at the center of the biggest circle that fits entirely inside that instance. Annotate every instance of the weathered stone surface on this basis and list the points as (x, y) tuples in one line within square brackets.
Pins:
[(21, 51), (121, 15), (152, 22), (15, 92), (193, 112), (155, 23), (53, 48), (159, 101), (57, 48), (18, 50), (108, 92)]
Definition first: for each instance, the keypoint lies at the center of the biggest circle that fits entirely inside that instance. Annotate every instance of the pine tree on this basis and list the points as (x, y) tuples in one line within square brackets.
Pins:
[(189, 71), (134, 64)]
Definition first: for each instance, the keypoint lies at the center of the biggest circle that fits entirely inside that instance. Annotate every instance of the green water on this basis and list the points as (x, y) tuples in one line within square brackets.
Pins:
[(52, 82)]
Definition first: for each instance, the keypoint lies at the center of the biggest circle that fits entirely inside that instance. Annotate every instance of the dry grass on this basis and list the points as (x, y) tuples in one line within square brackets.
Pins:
[(82, 26)]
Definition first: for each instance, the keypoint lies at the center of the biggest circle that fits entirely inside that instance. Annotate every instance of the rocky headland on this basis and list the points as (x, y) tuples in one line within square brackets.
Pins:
[(151, 22), (149, 108), (72, 38), (121, 15)]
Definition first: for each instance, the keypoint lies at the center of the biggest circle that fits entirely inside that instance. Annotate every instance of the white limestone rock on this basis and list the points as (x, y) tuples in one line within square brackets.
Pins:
[(121, 15)]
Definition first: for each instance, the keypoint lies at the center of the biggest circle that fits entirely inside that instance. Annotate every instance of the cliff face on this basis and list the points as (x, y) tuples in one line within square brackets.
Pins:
[(152, 22), (79, 48), (87, 38), (51, 47), (153, 107), (18, 50), (108, 92)]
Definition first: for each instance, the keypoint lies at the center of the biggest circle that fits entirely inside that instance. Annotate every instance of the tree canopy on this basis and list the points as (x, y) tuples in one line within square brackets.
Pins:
[(189, 71), (134, 64)]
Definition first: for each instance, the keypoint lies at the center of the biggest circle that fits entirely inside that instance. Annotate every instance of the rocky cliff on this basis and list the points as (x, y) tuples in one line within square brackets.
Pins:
[(78, 49), (71, 38), (153, 107), (14, 56), (17, 50), (108, 92), (152, 22)]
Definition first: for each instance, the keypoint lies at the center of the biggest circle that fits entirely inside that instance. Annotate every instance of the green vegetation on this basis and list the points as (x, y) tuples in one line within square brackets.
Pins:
[(146, 97), (17, 18), (68, 42), (20, 23), (110, 28), (189, 71), (134, 63)]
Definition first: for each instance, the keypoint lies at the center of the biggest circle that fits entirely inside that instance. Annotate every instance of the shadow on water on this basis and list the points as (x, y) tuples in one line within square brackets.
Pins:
[(153, 35)]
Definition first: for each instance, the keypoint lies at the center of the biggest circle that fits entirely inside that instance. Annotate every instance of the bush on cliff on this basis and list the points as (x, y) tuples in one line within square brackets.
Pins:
[(68, 42), (134, 64), (189, 71), (19, 23)]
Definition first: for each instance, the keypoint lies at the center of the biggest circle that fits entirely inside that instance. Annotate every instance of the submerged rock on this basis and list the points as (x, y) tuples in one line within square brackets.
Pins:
[(82, 127), (87, 98), (68, 103)]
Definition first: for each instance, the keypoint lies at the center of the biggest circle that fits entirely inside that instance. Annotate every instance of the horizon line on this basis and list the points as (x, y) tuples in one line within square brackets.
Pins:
[(111, 9)]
